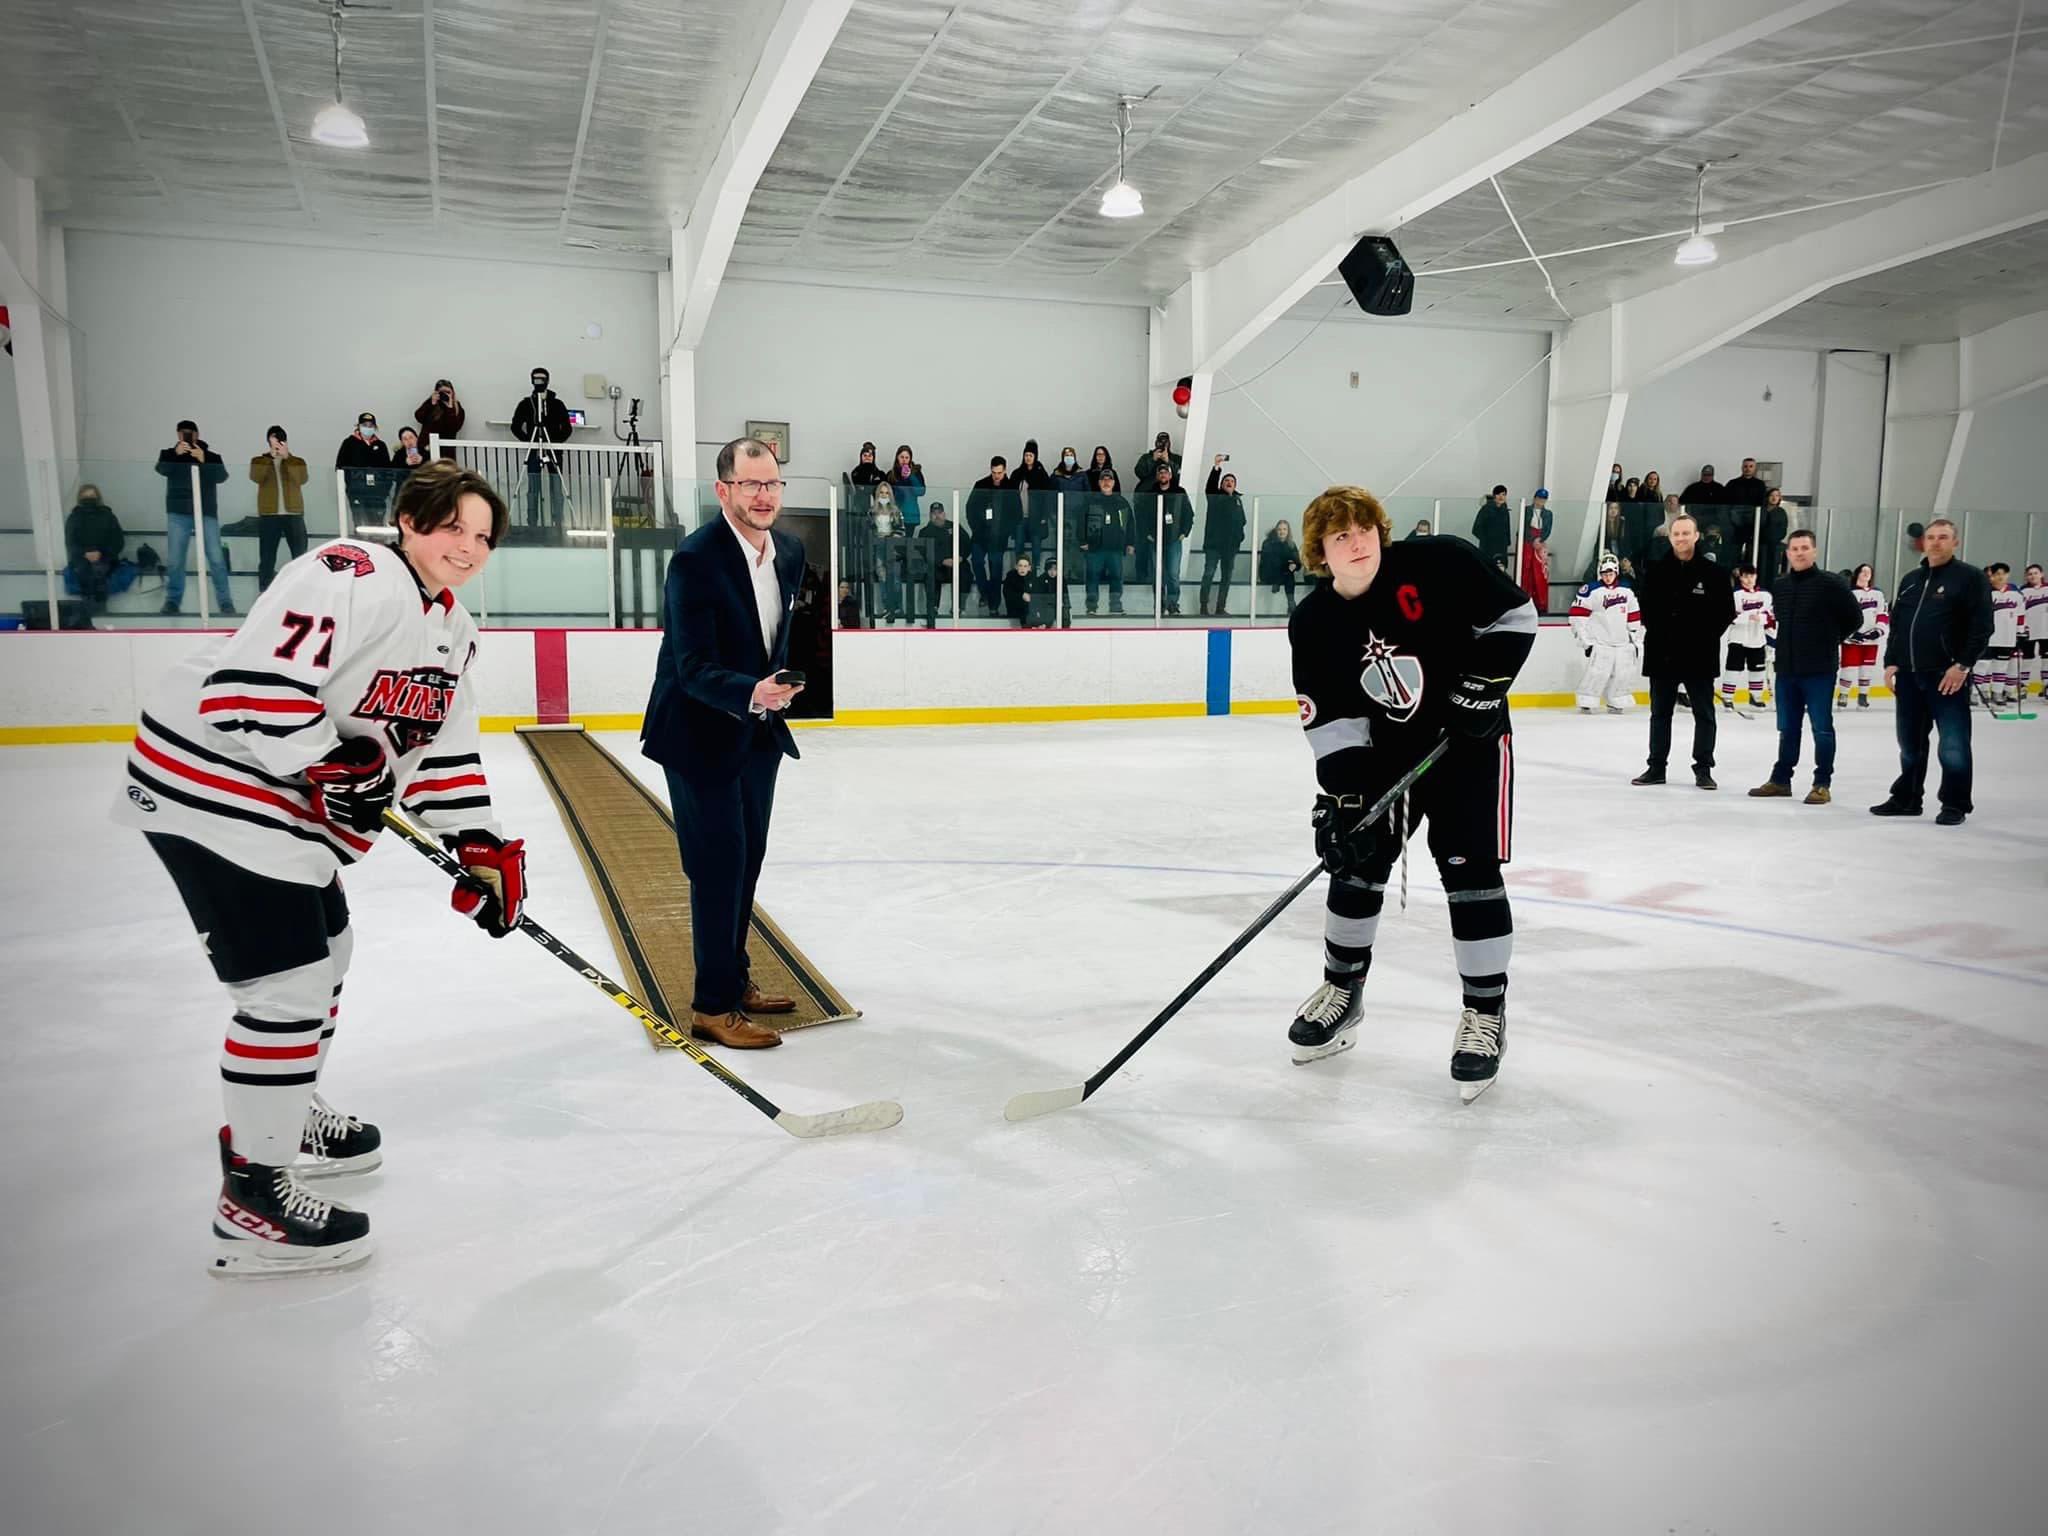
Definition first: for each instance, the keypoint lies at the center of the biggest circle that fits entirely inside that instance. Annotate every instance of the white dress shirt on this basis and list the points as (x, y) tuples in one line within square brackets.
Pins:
[(767, 588)]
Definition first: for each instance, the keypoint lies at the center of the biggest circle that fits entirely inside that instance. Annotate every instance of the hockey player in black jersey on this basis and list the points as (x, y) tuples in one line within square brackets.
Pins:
[(1399, 645)]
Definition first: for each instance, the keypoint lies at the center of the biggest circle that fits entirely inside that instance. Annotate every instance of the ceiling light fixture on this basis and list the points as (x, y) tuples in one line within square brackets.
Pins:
[(334, 124), (1697, 250), (1122, 201)]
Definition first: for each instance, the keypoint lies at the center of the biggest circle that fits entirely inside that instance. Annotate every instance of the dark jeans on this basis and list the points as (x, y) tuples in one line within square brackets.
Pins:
[(554, 496), (1921, 705), (288, 526), (1105, 565), (1663, 700), (1213, 563), (1169, 572), (1808, 696), (722, 831), (986, 565)]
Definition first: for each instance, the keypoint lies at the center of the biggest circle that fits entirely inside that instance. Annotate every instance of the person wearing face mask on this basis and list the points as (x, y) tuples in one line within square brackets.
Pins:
[(542, 418), (93, 541), (363, 459), (280, 478), (176, 464)]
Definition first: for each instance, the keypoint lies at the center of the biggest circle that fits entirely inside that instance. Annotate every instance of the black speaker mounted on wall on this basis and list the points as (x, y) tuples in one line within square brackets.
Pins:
[(1378, 278)]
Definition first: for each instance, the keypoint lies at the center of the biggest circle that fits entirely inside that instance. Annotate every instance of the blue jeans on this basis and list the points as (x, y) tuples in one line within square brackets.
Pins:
[(1921, 706), (178, 545), (1169, 572), (1105, 565), (1806, 696)]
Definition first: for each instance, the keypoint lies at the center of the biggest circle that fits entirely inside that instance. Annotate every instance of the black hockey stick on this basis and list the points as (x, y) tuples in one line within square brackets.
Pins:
[(2019, 709), (878, 1115), (1026, 1106)]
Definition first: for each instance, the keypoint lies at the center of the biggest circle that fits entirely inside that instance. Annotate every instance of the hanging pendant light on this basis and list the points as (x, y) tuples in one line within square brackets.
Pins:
[(1122, 201), (1697, 250), (334, 124)]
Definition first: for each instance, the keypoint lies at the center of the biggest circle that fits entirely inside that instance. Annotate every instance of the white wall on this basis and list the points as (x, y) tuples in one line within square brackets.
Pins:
[(239, 334), (1851, 431), (1713, 411), (2001, 465), (1418, 386), (957, 378)]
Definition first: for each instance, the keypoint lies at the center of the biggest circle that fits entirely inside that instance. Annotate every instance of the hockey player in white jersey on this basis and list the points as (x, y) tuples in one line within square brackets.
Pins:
[(2034, 631), (1748, 638), (1861, 650), (1607, 622), (263, 765), (1997, 671)]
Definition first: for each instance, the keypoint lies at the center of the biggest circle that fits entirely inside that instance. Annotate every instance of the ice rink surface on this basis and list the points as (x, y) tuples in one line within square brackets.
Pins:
[(1750, 1237)]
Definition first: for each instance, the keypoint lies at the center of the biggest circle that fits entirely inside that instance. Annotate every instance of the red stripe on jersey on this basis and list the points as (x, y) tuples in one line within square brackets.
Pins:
[(271, 1052), (217, 704), (248, 792), (421, 786), (1580, 612)]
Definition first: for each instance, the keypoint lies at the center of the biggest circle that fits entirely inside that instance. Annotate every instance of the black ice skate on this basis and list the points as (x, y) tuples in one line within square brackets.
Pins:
[(335, 1144), (1328, 1022), (267, 1224), (1475, 1053)]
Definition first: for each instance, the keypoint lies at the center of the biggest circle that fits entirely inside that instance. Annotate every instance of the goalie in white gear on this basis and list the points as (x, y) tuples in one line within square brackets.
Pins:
[(1607, 621)]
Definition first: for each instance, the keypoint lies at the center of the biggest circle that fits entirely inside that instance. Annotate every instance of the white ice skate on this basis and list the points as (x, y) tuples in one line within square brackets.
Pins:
[(1475, 1053), (1328, 1022)]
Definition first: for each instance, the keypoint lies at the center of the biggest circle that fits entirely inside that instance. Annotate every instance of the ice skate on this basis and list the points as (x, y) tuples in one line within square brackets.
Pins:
[(266, 1224), (1475, 1053), (1328, 1022), (335, 1144)]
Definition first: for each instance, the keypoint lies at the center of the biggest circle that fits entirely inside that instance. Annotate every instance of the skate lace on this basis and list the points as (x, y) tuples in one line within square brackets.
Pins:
[(298, 1200), (1327, 1004), (327, 1124), (1478, 1034)]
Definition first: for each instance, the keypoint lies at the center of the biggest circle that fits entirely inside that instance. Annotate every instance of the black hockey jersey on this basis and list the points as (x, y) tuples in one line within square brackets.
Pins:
[(1372, 673)]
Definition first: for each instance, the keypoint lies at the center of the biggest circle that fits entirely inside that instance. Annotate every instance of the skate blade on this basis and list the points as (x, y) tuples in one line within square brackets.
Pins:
[(337, 1167), (1467, 1092), (1304, 1054), (233, 1260)]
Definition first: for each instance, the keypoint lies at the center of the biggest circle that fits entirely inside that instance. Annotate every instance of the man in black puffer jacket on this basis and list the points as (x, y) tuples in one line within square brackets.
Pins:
[(1688, 604), (1815, 612), (1941, 622)]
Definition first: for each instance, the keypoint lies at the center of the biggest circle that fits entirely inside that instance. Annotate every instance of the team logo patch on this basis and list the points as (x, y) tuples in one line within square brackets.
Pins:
[(1391, 678), (141, 797), (1307, 706), (411, 705), (348, 557)]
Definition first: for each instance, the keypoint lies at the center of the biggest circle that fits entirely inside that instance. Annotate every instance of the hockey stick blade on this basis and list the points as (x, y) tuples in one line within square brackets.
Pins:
[(1029, 1106), (877, 1115)]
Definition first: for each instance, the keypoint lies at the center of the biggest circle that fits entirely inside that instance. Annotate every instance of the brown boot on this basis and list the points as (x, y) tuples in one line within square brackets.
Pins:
[(734, 1029), (757, 1001), (1771, 789), (1818, 795)]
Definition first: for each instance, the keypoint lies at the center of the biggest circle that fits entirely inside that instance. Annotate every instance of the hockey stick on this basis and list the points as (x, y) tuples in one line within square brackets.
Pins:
[(2019, 711), (878, 1115), (1026, 1106)]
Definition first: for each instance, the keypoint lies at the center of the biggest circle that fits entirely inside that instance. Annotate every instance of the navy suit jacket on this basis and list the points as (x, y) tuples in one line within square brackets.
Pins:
[(698, 718)]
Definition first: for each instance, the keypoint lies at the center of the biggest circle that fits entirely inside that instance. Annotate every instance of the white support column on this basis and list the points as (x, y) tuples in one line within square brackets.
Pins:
[(678, 387), (21, 254)]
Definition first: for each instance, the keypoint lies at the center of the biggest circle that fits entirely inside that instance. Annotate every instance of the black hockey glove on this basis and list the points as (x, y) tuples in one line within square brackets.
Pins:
[(492, 888), (1345, 840), (1479, 705), (352, 786)]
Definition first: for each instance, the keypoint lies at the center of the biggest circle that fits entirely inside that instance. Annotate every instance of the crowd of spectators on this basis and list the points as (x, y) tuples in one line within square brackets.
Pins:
[(1742, 519)]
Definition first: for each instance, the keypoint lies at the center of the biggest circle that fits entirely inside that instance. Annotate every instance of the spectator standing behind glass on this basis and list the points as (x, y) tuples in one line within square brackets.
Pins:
[(906, 479), (363, 458), (937, 537), (1660, 535), (1421, 530), (1034, 505), (93, 542), (441, 412), (1651, 489), (1493, 528), (1222, 536), (888, 549), (176, 464), (1105, 541), (1280, 559), (542, 418), (1614, 484), (988, 517), (1143, 472), (1688, 603), (1815, 612), (1098, 461), (1071, 490), (409, 455), (1707, 500), (1632, 490), (1771, 546), (1941, 623), (280, 477), (1144, 479), (1536, 526), (1166, 510), (865, 475)]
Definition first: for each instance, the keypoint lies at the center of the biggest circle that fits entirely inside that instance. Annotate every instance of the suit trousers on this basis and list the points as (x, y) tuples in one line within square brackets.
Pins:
[(722, 832), (1699, 693)]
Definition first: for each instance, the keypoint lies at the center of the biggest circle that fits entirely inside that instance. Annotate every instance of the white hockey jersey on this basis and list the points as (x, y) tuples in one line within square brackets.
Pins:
[(347, 642), (2006, 608), (1603, 615), (1754, 618), (2034, 613), (1877, 619)]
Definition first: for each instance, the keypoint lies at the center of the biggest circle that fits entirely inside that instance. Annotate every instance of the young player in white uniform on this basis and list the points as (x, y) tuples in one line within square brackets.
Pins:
[(1607, 622), (1747, 638), (1401, 646), (1997, 670), (2034, 631), (265, 764), (1861, 650)]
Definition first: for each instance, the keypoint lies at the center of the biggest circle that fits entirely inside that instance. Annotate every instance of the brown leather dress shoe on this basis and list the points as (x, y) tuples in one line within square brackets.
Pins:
[(757, 1001), (733, 1029)]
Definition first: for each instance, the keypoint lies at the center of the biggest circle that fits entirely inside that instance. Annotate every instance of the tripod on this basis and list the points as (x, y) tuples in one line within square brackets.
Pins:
[(632, 511), (543, 460)]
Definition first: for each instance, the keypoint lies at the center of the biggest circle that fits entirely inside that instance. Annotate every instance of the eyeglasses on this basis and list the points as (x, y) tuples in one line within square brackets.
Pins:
[(756, 487)]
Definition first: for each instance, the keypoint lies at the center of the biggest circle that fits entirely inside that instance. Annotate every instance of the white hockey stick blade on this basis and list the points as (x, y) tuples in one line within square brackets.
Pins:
[(878, 1115), (1029, 1106)]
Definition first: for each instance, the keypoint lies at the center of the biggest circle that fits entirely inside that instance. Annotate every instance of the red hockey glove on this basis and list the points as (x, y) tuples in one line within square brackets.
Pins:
[(492, 889), (352, 786)]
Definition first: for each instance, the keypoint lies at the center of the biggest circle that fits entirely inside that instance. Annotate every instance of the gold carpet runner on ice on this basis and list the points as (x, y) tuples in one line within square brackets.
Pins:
[(627, 842)]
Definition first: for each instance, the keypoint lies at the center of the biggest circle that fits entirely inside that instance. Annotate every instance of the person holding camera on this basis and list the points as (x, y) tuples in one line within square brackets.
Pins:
[(280, 477), (176, 464), (1222, 535), (542, 418), (441, 412)]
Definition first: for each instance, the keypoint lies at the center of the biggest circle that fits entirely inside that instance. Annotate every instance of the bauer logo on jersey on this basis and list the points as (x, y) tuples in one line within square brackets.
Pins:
[(1392, 679), (346, 557), (412, 704)]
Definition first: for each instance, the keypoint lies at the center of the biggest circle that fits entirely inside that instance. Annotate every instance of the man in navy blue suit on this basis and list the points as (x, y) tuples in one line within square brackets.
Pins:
[(715, 723)]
